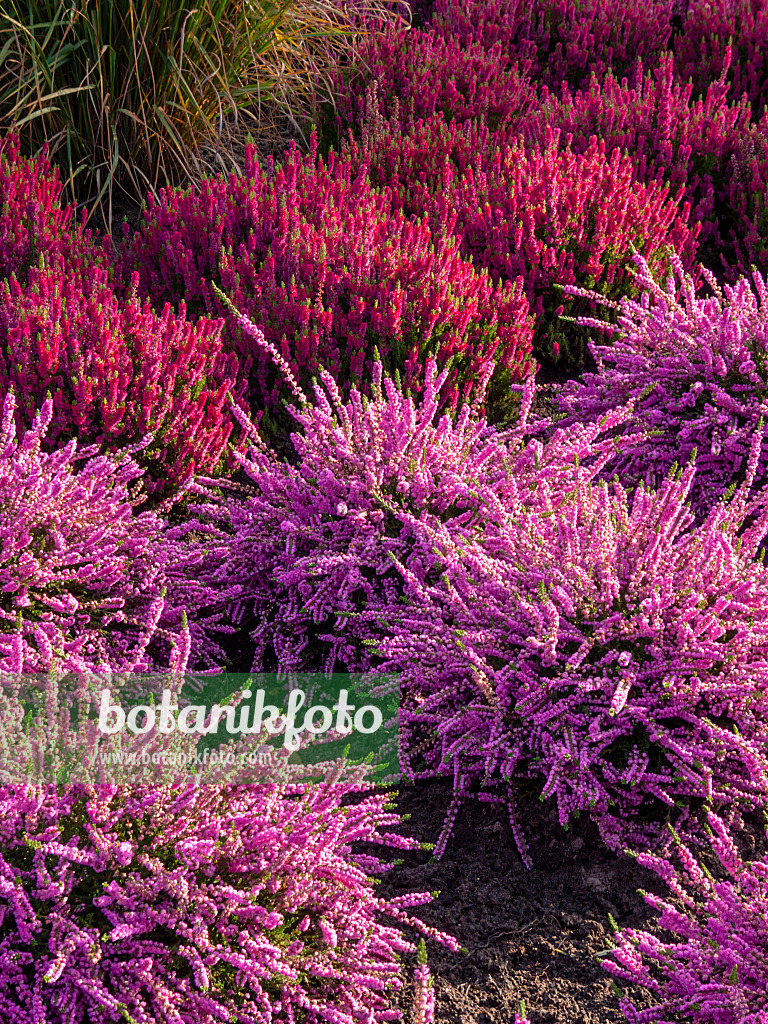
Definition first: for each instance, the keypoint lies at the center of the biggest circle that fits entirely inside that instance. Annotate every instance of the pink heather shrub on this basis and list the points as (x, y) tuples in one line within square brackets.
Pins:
[(669, 137), (421, 72), (746, 199), (711, 28), (313, 550), (117, 371), (331, 274), (424, 990), (158, 905), (695, 371), (555, 217), (32, 222), (597, 643), (714, 966), (565, 39), (85, 583)]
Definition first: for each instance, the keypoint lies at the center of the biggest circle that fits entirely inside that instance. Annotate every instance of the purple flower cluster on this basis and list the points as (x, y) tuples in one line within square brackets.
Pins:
[(714, 966), (598, 642), (180, 903), (86, 584), (695, 371), (332, 274)]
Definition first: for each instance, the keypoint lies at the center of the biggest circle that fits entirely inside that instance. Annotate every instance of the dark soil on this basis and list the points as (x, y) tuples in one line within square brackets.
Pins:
[(531, 935)]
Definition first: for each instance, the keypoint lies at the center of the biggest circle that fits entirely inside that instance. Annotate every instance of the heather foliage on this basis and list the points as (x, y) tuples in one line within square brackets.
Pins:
[(695, 371), (714, 966), (565, 39), (556, 217), (597, 642), (87, 585), (165, 904), (671, 136), (714, 28), (331, 274)]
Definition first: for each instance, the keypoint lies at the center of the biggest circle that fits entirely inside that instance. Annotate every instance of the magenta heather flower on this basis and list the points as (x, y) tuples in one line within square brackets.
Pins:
[(745, 200), (159, 905), (332, 274), (599, 643), (713, 967), (715, 27), (671, 135), (695, 371), (564, 39), (556, 217), (117, 370), (32, 222), (86, 584)]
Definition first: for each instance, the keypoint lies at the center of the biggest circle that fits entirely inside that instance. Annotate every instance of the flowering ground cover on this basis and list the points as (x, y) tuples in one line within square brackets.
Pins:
[(293, 418)]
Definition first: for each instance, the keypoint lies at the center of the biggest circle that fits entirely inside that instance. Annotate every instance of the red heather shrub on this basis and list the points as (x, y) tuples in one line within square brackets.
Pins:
[(597, 643), (556, 217), (331, 274), (669, 137), (313, 549), (565, 39), (713, 968), (695, 370), (198, 904), (117, 371), (32, 222), (421, 72), (85, 583), (712, 29), (746, 196)]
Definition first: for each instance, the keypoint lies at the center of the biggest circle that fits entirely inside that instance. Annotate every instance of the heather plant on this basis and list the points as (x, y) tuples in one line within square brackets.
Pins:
[(556, 217), (87, 584), (672, 138), (118, 371), (32, 221), (421, 72), (712, 965), (601, 644), (564, 39), (712, 29), (694, 370), (156, 904), (746, 203), (313, 549), (331, 273)]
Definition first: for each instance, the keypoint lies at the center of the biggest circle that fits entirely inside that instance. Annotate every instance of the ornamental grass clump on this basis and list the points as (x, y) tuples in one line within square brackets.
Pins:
[(564, 39), (694, 369), (599, 644), (671, 136), (330, 272), (712, 964), (118, 371), (157, 905), (556, 217), (86, 584), (313, 550)]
